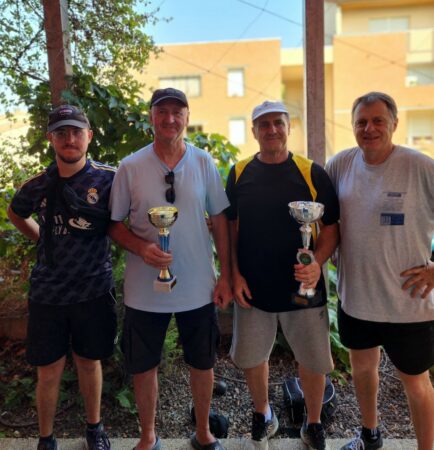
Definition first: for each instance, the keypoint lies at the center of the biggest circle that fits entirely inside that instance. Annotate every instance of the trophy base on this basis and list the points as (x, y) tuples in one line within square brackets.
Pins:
[(309, 293), (301, 300), (164, 286)]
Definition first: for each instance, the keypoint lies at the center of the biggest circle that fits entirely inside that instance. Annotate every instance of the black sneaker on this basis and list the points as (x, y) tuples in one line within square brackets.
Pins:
[(313, 436), (360, 443), (47, 445), (97, 439), (262, 430)]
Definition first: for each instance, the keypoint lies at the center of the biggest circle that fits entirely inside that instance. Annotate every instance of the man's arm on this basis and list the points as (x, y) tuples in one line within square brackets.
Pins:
[(150, 252), (328, 240), (28, 227), (241, 290), (222, 292)]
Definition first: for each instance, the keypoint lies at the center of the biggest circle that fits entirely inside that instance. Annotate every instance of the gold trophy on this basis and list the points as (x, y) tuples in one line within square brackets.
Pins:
[(162, 217), (306, 213)]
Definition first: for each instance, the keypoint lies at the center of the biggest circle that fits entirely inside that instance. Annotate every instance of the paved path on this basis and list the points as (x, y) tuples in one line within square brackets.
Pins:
[(183, 444)]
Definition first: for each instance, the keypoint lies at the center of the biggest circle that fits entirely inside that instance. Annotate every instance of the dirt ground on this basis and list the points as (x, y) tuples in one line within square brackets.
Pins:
[(18, 417)]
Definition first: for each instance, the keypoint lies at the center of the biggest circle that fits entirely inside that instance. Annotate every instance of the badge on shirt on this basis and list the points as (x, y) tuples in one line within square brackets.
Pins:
[(392, 206)]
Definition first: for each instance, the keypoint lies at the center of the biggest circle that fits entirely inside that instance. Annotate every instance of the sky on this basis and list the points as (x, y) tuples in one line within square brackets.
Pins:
[(217, 20)]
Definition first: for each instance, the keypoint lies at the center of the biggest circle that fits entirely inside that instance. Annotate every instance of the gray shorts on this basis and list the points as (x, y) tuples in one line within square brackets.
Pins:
[(306, 331)]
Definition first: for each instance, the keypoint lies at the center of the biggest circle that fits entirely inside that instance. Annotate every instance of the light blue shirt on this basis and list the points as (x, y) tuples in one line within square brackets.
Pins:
[(138, 186)]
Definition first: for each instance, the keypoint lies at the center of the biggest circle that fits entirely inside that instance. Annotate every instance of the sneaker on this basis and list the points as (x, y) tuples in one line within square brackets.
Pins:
[(359, 443), (50, 445), (313, 436), (262, 430), (97, 439)]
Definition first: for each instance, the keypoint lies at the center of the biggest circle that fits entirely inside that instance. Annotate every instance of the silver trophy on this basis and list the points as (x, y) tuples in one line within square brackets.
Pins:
[(306, 213), (162, 217)]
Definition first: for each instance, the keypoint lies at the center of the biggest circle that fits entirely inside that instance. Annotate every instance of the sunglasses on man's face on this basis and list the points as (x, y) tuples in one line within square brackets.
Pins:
[(170, 193)]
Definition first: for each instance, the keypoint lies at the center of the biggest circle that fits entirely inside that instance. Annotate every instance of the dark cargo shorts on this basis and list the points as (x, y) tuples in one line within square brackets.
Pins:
[(144, 333)]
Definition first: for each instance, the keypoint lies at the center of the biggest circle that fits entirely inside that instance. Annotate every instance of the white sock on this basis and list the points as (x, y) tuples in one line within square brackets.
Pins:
[(268, 415)]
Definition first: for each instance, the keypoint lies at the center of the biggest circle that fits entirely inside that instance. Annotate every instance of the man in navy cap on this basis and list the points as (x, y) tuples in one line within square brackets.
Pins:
[(266, 275), (171, 172), (71, 298)]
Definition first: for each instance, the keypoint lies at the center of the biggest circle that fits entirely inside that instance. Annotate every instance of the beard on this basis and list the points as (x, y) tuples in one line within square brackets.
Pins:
[(72, 159)]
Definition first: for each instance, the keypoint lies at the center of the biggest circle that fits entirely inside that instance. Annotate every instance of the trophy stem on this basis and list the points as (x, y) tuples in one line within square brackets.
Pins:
[(306, 233), (163, 237)]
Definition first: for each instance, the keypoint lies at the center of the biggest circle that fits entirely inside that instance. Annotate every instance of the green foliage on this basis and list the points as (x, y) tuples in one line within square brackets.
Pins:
[(19, 391), (119, 119), (125, 397), (69, 379), (107, 41), (340, 352), (17, 166), (223, 152)]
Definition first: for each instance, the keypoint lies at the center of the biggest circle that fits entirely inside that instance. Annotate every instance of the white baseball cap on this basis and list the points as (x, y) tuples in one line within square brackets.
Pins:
[(268, 107)]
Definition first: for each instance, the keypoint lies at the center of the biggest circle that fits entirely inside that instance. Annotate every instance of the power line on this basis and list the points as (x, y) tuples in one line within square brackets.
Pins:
[(348, 44), (252, 89), (241, 35)]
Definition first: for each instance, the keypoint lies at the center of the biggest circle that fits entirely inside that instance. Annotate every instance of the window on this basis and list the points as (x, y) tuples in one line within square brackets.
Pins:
[(237, 131), (235, 82), (190, 85), (388, 24), (420, 128), (194, 128), (420, 74)]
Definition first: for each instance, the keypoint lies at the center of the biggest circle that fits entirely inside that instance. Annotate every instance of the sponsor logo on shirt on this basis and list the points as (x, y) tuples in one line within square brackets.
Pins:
[(80, 223)]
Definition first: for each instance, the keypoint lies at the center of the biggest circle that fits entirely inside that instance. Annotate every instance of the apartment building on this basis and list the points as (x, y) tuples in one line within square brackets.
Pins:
[(385, 45)]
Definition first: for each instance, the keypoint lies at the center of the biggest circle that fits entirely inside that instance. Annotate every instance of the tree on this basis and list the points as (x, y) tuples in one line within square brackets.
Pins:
[(108, 44), (107, 41)]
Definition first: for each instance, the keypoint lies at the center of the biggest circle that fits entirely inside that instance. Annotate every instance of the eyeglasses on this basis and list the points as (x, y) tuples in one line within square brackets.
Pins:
[(63, 133), (170, 193)]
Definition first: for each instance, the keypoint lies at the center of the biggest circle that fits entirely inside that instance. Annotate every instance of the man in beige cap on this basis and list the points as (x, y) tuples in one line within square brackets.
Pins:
[(266, 275)]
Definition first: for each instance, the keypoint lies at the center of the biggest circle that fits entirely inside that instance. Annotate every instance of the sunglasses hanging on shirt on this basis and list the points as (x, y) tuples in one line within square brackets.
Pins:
[(170, 193)]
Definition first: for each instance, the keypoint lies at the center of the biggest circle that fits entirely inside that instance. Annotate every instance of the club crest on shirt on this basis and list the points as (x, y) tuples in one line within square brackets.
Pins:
[(92, 196)]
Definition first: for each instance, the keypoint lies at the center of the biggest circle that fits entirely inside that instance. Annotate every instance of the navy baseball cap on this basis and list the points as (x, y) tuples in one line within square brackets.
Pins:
[(168, 93), (65, 115)]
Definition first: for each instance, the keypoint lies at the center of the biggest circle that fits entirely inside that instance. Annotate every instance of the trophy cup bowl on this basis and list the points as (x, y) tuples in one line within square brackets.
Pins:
[(163, 217), (306, 213)]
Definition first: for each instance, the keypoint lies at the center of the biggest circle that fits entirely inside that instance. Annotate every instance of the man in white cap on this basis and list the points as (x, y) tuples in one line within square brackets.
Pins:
[(266, 275)]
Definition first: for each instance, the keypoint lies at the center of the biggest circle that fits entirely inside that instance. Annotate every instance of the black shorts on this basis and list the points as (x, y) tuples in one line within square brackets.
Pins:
[(144, 333), (410, 346), (89, 328)]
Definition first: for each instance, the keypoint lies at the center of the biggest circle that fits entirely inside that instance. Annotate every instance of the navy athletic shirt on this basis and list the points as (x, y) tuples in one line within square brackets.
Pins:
[(76, 265)]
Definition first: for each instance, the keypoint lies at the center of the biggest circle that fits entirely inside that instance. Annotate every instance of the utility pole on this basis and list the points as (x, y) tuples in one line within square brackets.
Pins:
[(59, 57), (314, 97)]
